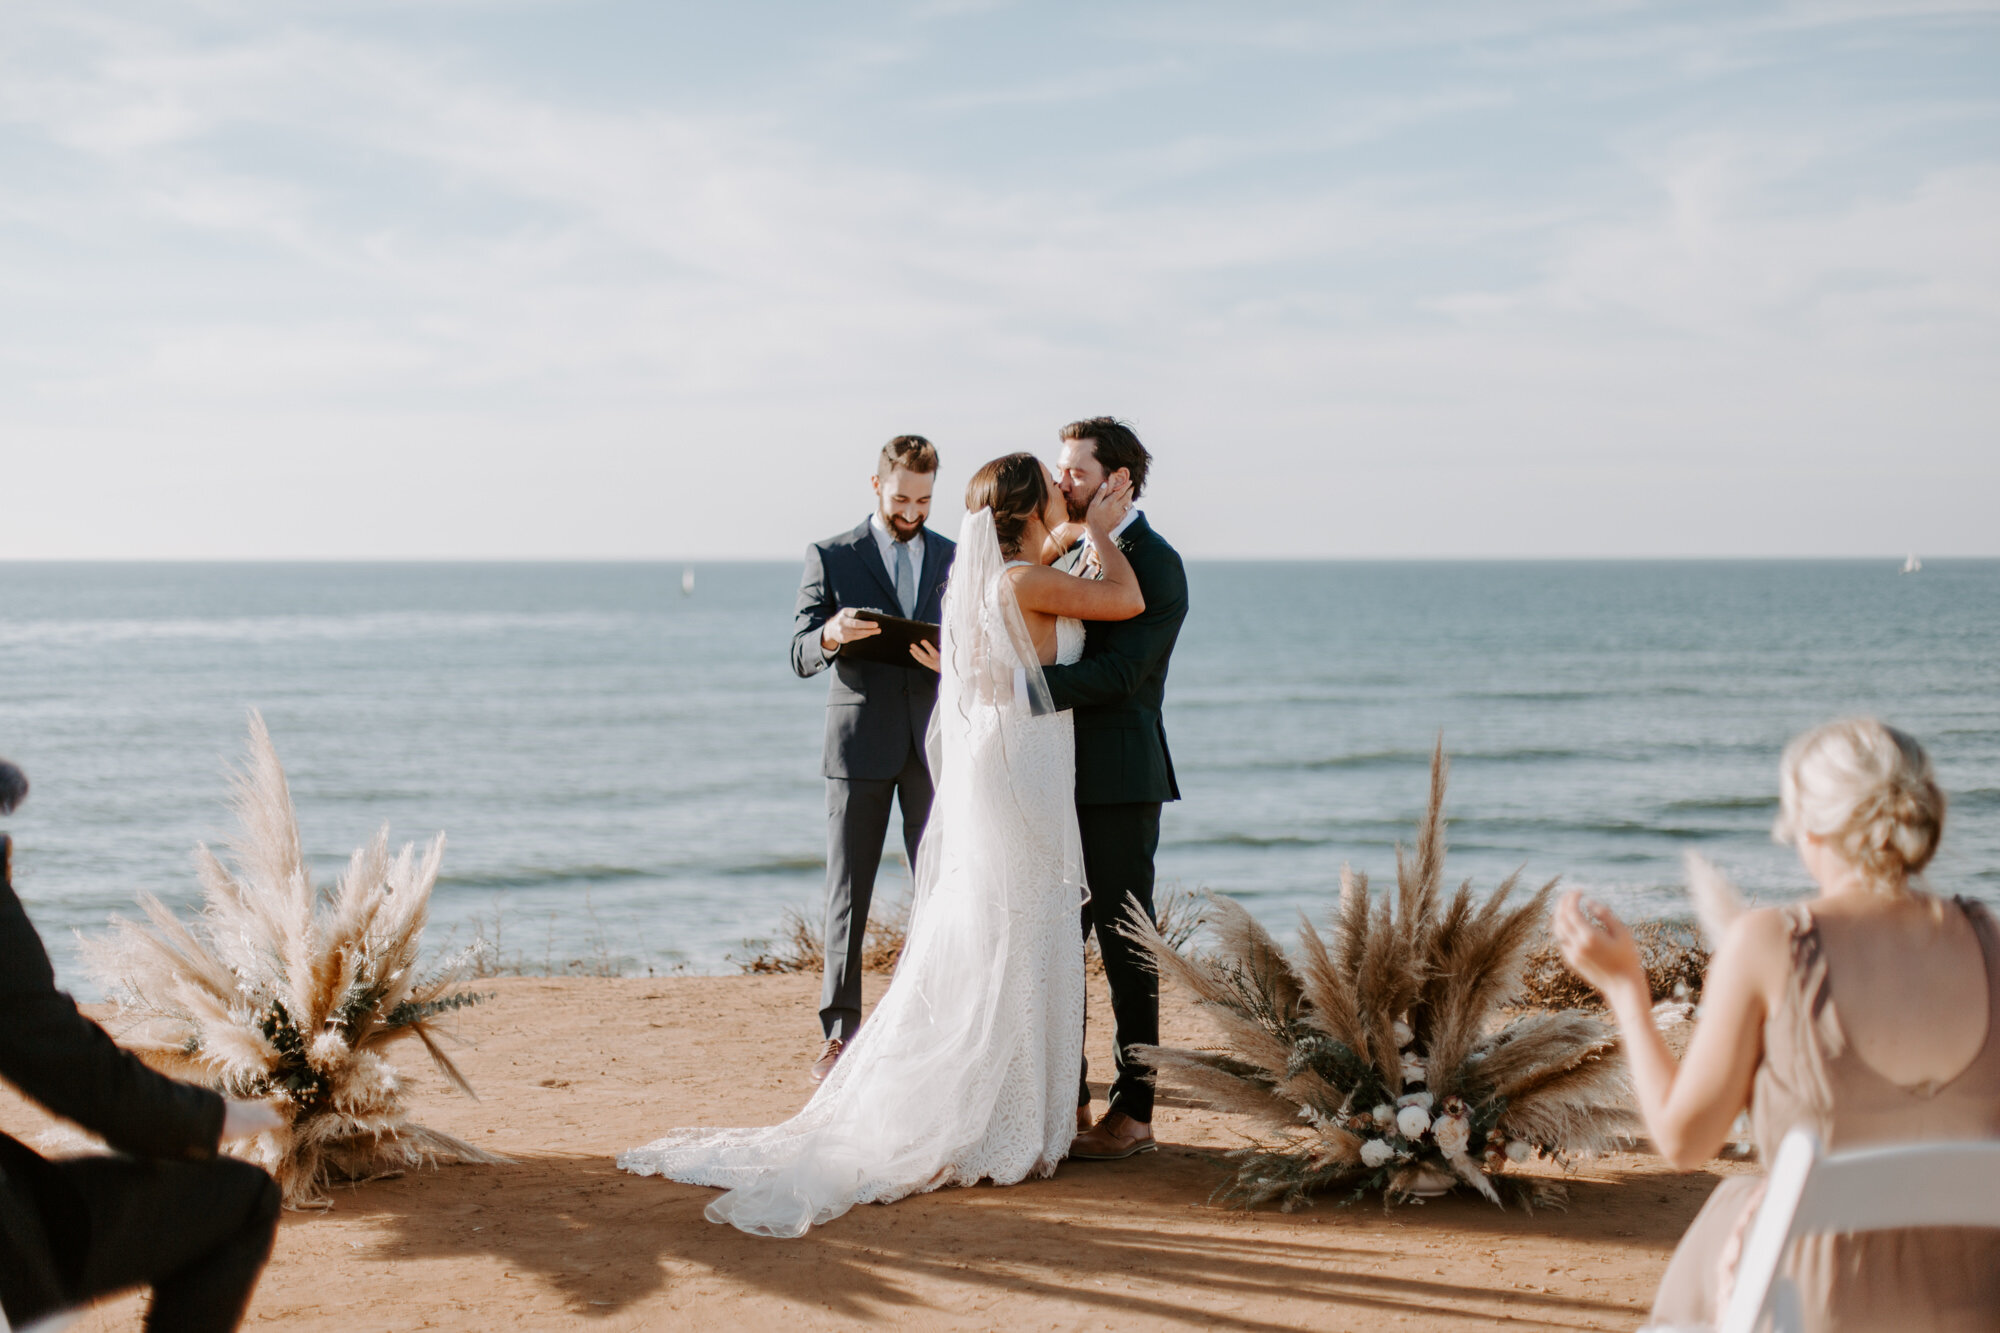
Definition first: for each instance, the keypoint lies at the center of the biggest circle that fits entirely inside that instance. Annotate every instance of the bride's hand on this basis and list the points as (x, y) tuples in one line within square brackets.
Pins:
[(1109, 506)]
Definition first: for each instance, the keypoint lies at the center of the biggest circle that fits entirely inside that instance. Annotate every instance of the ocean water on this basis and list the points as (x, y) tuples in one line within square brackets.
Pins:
[(629, 774)]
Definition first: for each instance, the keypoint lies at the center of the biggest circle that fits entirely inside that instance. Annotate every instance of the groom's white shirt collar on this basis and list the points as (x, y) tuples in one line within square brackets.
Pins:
[(1123, 524), (885, 542)]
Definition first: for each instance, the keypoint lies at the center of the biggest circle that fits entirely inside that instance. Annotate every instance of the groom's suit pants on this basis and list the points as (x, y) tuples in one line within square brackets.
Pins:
[(1119, 842), (857, 820)]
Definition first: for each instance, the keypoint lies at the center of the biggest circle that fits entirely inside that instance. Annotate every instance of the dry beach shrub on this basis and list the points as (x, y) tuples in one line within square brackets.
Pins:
[(1675, 960), (799, 945)]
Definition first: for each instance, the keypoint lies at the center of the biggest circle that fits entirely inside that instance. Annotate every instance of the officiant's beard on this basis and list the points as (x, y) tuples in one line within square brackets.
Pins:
[(898, 529)]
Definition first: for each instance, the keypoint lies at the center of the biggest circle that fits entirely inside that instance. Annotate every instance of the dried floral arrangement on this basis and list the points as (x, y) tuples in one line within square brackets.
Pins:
[(279, 990), (1383, 1059)]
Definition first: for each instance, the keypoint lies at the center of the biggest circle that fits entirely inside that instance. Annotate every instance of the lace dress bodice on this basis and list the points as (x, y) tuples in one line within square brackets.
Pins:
[(1069, 641)]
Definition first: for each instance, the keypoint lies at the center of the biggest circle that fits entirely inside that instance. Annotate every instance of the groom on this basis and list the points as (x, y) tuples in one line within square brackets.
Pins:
[(876, 714), (1123, 770)]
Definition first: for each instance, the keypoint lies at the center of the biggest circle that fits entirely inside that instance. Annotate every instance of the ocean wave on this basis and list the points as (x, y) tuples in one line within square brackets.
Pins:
[(1541, 696), (1470, 833), (549, 877), (1722, 803), (1248, 700), (789, 865), (1253, 840), (1364, 759), (553, 877), (1615, 828), (1406, 759), (422, 625)]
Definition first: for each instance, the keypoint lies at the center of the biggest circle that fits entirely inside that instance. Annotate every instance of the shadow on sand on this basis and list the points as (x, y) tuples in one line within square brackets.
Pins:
[(1089, 1237)]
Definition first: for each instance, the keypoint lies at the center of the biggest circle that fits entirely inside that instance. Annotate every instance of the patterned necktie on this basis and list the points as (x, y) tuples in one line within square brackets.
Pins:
[(906, 583), (1091, 568)]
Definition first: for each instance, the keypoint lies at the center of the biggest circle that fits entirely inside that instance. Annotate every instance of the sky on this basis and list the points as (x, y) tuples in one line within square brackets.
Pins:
[(568, 279)]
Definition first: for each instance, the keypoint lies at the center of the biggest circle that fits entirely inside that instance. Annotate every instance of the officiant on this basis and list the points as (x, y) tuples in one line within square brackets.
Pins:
[(877, 712)]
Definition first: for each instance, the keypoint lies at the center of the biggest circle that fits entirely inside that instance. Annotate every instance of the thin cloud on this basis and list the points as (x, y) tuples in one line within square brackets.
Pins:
[(318, 240)]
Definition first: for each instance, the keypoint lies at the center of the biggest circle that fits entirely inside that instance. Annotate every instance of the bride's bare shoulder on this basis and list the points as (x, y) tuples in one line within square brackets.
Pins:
[(1021, 577)]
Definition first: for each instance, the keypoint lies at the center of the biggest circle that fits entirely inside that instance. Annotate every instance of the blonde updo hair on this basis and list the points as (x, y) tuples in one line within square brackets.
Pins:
[(1867, 789)]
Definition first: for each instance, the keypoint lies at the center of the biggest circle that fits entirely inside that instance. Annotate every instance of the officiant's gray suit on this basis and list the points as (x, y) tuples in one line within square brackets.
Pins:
[(876, 719)]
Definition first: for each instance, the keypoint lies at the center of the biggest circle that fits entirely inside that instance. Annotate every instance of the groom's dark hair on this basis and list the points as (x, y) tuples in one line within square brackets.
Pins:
[(913, 453), (1116, 446)]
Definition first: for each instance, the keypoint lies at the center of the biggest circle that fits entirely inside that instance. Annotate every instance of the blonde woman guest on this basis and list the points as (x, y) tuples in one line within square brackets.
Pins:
[(1868, 1014)]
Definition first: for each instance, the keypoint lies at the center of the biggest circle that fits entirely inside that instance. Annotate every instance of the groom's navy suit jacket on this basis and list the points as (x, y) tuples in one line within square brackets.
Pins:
[(1118, 688), (874, 712)]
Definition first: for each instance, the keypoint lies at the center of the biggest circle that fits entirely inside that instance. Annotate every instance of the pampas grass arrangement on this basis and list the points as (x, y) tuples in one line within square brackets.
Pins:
[(1382, 1059), (279, 990)]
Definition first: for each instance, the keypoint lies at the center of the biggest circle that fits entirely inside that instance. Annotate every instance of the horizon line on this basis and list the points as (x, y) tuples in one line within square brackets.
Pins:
[(711, 561)]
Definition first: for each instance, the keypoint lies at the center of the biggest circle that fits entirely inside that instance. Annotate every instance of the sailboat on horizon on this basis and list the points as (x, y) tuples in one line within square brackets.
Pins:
[(1912, 565)]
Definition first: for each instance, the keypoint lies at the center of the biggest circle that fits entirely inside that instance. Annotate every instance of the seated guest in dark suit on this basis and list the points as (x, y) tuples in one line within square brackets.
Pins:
[(166, 1213)]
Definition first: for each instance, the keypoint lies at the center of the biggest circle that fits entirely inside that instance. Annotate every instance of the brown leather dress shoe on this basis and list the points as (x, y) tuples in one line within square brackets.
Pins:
[(829, 1056), (1115, 1138), (1083, 1121)]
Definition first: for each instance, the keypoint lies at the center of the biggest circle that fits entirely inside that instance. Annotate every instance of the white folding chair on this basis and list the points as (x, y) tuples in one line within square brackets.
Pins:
[(1867, 1189)]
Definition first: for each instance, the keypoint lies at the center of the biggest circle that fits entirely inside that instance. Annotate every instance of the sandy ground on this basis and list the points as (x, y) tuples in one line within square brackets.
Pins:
[(570, 1071)]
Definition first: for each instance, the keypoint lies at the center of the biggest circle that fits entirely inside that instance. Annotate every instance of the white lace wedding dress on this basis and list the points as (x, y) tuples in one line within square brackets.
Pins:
[(968, 1068)]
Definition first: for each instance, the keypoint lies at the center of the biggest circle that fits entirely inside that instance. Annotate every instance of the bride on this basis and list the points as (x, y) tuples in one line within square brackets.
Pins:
[(968, 1068)]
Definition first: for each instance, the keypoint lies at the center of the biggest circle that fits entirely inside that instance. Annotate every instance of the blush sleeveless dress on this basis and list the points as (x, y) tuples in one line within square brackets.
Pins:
[(1934, 1278)]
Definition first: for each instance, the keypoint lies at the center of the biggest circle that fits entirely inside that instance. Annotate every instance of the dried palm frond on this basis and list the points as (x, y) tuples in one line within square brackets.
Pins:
[(280, 990), (1381, 1054)]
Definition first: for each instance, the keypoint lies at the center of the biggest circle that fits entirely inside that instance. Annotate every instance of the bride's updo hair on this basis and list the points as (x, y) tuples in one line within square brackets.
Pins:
[(1016, 489), (1867, 789)]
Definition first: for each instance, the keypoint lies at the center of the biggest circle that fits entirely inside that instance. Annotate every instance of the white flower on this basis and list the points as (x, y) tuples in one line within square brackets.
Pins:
[(1385, 1115), (1375, 1152), (1453, 1133), (1412, 1121), (1517, 1150), (1413, 1069), (1422, 1099), (1404, 1036)]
